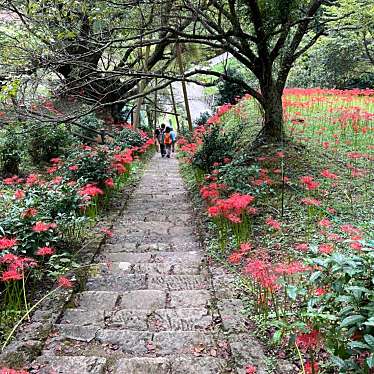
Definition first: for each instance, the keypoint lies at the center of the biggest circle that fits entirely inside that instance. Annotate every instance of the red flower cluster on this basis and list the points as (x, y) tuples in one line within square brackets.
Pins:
[(309, 183), (6, 243), (237, 256), (232, 208), (45, 251), (12, 371), (270, 221), (262, 273), (42, 226), (211, 192), (90, 190), (16, 266), (308, 341)]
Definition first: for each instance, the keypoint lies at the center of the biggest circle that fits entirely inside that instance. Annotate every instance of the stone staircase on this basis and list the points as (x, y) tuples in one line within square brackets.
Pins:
[(153, 305)]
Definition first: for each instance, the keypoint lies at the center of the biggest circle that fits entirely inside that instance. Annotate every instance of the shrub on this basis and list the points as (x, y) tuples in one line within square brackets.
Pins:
[(10, 152), (127, 138), (215, 147), (228, 92), (47, 141)]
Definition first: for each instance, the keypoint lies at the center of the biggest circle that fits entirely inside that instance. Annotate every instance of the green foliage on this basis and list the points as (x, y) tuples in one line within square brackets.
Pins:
[(201, 120), (216, 146), (90, 121), (10, 151), (350, 302), (229, 92), (47, 141), (127, 138)]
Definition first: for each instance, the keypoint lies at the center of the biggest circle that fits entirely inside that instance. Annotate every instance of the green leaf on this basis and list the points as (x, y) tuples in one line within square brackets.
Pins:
[(358, 345), (352, 320), (277, 337), (369, 339), (370, 361)]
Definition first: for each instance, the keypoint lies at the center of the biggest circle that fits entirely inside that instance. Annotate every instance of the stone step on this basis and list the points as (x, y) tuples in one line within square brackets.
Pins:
[(183, 319), (181, 364), (164, 217), (159, 343), (155, 268), (188, 258), (71, 365), (107, 276), (115, 245)]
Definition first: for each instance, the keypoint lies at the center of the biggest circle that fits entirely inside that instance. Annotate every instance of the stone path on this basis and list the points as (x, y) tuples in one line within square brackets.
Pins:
[(153, 305)]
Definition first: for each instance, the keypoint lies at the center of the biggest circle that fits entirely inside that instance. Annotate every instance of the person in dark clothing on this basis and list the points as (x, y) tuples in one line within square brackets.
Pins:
[(168, 141), (161, 138), (156, 136)]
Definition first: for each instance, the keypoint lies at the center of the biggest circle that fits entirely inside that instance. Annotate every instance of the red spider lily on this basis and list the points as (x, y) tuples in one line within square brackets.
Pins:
[(250, 369), (11, 275), (320, 292), (310, 201), (350, 229), (73, 168), (52, 170), (227, 160), (309, 183), (309, 369), (334, 237), (109, 183), (245, 247), (107, 232), (214, 211), (291, 268), (12, 371), (19, 194), (45, 251), (32, 179), (29, 213), (6, 243), (119, 168), (326, 248), (235, 258), (262, 273), (356, 245), (90, 190), (309, 340), (328, 174), (303, 247), (233, 218), (57, 180), (42, 227), (65, 282), (270, 221), (324, 222)]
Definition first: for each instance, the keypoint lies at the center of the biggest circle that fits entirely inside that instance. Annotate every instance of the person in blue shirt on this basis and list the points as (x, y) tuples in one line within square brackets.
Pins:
[(173, 138)]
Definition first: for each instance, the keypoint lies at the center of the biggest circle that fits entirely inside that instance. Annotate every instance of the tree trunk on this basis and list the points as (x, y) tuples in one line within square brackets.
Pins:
[(272, 131)]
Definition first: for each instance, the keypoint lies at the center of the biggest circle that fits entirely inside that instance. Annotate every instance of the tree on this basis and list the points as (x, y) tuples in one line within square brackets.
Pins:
[(96, 50), (266, 36)]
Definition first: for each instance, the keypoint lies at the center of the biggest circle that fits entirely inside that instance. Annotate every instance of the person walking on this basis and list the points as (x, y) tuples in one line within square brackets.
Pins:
[(168, 141), (156, 137), (173, 139), (161, 140)]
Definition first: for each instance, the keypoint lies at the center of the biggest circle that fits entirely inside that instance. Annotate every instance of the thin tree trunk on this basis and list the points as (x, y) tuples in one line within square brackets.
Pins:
[(174, 107), (184, 87), (142, 85)]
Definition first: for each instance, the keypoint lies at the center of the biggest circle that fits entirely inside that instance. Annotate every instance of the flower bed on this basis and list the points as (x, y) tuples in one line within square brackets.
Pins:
[(294, 224), (46, 217)]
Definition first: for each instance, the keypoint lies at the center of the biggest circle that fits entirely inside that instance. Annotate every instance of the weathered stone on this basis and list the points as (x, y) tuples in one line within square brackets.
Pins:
[(137, 365), (166, 268), (129, 319), (231, 313), (77, 332), (71, 365), (128, 282), (143, 299), (173, 342), (102, 300), (177, 282), (247, 350), (189, 298), (187, 319), (83, 317), (198, 365), (130, 342)]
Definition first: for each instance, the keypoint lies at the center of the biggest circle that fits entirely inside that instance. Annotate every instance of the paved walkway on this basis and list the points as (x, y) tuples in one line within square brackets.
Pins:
[(154, 305)]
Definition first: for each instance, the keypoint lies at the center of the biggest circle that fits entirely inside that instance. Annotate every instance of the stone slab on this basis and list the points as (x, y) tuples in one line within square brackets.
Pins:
[(71, 365), (189, 298), (177, 282), (101, 300), (143, 299)]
